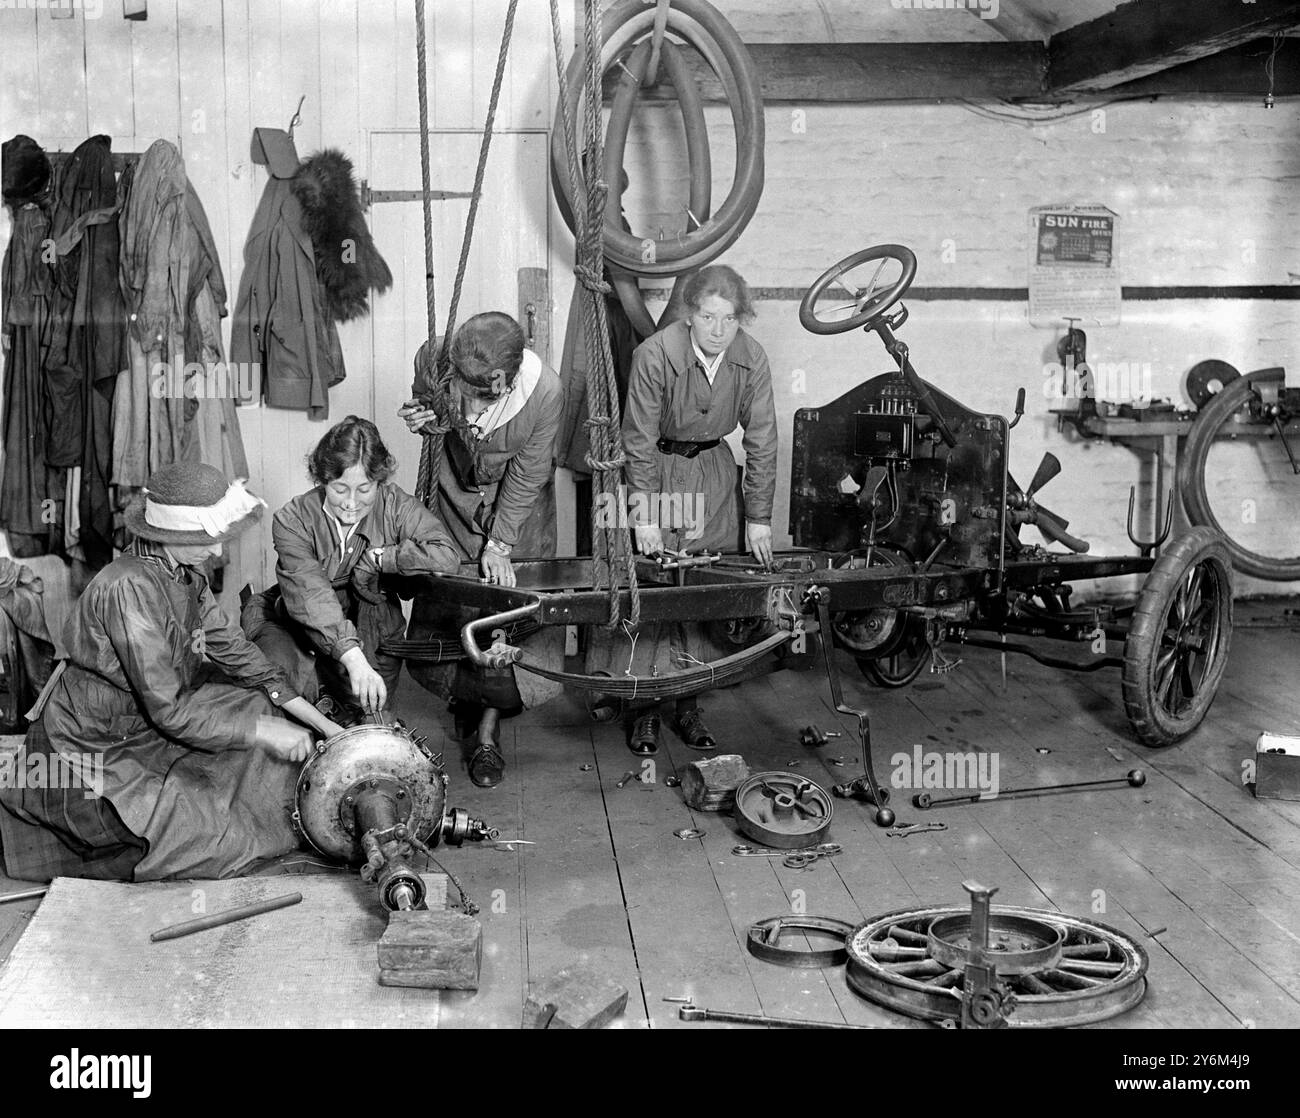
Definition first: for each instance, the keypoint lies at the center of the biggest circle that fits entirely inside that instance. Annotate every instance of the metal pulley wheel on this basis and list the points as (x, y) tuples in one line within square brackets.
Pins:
[(1060, 970), (1206, 379), (783, 810), (874, 631)]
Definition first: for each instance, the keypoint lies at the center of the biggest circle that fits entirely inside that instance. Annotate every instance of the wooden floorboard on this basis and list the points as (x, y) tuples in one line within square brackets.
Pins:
[(1238, 954), (1192, 866)]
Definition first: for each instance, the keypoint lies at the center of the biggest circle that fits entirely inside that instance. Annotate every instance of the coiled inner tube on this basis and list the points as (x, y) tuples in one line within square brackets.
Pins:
[(705, 29), (1210, 421)]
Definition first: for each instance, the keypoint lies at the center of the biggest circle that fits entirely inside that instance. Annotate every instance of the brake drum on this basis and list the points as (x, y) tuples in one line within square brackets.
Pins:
[(783, 810), (388, 759)]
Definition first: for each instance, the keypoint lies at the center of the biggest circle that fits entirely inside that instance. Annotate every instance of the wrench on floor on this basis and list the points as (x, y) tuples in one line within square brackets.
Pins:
[(699, 1013), (821, 850), (905, 829)]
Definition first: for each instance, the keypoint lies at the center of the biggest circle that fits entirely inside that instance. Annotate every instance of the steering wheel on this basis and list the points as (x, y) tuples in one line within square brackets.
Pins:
[(867, 303)]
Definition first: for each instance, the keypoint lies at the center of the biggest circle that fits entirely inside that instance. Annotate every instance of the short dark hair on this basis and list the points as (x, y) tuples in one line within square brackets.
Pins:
[(724, 282), (485, 343), (354, 441)]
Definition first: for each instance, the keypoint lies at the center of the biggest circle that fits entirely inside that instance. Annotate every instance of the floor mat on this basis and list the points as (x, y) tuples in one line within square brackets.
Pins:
[(86, 960)]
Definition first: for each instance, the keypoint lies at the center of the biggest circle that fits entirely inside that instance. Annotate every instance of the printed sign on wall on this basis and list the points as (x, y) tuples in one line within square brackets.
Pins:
[(1073, 265)]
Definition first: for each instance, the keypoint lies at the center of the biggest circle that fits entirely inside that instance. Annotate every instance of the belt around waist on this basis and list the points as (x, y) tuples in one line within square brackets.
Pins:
[(686, 450)]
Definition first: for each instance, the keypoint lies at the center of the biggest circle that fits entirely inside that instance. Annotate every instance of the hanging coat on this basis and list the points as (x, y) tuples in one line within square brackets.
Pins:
[(158, 710), (82, 378), (26, 482), (152, 429)]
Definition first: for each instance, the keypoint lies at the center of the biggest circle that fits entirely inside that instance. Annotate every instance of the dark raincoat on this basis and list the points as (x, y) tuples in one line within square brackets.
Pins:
[(157, 711), (30, 296)]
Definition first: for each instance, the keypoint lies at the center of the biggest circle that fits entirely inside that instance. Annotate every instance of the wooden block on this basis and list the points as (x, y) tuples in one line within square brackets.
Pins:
[(575, 998), (437, 950), (711, 781)]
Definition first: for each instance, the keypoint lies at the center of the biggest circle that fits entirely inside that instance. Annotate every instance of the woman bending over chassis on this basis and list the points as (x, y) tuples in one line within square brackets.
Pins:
[(691, 385), (327, 616), (495, 492)]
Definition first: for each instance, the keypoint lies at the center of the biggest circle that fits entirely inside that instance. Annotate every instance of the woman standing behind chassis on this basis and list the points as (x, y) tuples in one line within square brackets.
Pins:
[(496, 497), (326, 617), (692, 384), (164, 712)]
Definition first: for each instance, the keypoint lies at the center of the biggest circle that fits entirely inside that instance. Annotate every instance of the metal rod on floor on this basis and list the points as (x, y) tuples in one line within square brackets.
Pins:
[(25, 895), (699, 1013), (203, 923)]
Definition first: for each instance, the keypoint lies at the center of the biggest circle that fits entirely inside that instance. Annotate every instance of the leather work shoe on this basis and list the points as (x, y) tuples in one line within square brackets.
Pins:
[(644, 741), (690, 724), (487, 768)]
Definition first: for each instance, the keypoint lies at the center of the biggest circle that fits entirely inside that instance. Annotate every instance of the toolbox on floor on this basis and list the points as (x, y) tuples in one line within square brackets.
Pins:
[(1277, 767)]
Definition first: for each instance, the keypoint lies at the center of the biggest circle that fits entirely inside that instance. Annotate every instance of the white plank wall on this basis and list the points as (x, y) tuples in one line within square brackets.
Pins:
[(204, 73), (1206, 191)]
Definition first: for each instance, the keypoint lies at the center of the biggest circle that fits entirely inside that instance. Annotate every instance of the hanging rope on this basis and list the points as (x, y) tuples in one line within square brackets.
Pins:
[(426, 187), (610, 538), (437, 369)]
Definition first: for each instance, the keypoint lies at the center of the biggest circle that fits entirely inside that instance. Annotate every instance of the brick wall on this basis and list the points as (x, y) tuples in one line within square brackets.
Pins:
[(1206, 196)]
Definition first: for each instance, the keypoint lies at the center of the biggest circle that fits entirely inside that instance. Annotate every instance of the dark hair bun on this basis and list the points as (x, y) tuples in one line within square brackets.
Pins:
[(352, 442)]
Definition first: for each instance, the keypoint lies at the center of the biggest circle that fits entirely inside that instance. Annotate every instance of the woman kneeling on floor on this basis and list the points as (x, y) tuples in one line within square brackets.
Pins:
[(164, 724), (326, 619)]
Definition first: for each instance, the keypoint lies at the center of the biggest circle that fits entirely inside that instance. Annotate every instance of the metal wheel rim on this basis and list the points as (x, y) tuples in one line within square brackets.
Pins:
[(927, 1000), (1191, 631)]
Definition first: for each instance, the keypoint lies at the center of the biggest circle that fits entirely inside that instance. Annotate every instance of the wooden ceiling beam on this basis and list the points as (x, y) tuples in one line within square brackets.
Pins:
[(1144, 37), (853, 72), (1235, 72), (838, 73), (1014, 24)]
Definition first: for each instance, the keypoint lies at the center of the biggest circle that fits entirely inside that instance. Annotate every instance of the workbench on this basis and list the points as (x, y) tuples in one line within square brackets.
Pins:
[(1162, 437)]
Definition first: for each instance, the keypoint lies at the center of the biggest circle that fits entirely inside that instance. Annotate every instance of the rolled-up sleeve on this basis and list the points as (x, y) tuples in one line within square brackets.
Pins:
[(758, 418), (641, 417), (308, 595)]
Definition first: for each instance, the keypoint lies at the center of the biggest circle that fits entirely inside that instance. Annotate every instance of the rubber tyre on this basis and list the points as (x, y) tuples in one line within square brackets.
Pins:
[(1154, 724), (708, 31), (1209, 421)]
